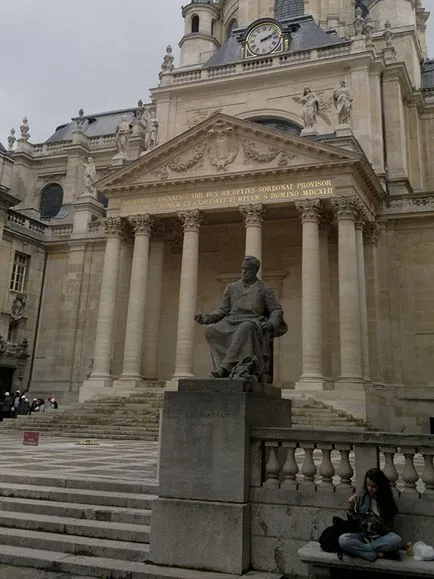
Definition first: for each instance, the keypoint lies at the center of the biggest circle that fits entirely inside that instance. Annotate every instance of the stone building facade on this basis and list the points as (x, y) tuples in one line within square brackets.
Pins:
[(299, 132)]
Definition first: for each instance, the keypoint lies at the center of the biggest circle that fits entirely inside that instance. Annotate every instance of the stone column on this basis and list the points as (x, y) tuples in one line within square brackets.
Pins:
[(153, 306), (132, 371), (187, 294), (371, 234), (101, 374), (364, 341), (349, 305), (324, 234), (253, 218), (311, 323)]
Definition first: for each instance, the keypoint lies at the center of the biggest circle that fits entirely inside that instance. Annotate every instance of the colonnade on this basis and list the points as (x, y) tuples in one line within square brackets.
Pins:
[(143, 322)]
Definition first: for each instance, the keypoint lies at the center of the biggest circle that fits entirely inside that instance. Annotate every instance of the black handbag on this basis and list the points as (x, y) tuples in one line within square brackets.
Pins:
[(329, 538)]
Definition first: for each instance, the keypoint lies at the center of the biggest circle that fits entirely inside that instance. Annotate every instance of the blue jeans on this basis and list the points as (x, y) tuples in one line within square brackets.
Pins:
[(357, 544)]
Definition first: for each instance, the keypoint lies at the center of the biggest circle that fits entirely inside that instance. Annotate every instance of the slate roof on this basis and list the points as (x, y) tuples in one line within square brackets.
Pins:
[(308, 36), (288, 9), (100, 125), (428, 75)]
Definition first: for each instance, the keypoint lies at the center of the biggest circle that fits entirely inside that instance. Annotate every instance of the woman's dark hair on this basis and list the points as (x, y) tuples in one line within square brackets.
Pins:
[(386, 502)]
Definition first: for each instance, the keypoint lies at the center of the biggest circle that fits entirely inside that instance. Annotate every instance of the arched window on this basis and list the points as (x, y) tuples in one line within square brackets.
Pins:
[(195, 23), (51, 201), (233, 24), (280, 125)]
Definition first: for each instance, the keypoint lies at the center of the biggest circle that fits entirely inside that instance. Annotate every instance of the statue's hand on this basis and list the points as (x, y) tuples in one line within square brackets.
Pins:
[(267, 326), (200, 318)]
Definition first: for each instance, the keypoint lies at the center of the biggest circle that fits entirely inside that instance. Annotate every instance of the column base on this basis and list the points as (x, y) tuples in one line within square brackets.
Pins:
[(97, 386), (127, 384), (351, 383), (172, 384), (310, 384)]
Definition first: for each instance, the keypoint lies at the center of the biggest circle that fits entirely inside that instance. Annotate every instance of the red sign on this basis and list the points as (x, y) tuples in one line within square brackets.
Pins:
[(31, 438)]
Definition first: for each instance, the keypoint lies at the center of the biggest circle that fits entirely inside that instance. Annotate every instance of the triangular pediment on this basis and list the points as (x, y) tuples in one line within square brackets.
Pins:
[(224, 145)]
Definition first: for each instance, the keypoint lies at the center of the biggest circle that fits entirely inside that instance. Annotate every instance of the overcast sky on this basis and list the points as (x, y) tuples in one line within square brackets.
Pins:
[(60, 55)]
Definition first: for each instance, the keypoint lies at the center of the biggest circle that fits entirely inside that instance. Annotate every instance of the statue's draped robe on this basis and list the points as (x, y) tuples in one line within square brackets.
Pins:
[(235, 331)]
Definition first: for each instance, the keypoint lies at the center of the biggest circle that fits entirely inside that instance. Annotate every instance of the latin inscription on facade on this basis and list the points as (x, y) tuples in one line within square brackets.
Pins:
[(166, 203)]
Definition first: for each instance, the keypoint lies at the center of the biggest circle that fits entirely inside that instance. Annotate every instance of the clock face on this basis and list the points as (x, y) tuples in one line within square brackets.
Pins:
[(264, 39)]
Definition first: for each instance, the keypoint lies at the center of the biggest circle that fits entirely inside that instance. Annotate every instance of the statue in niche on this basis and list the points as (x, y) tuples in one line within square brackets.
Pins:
[(343, 103), (89, 176), (241, 330), (152, 136), (310, 104), (123, 131), (17, 308)]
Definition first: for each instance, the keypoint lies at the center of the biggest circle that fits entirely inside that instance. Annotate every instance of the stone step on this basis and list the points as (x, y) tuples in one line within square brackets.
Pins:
[(77, 511), (69, 526), (102, 567), (80, 483), (78, 545), (85, 496)]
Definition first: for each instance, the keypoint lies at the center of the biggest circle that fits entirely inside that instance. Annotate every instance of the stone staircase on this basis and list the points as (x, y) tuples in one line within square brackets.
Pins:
[(136, 417), (94, 528)]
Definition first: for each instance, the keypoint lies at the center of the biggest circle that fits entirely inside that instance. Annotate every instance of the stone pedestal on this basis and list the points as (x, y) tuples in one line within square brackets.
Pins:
[(201, 519)]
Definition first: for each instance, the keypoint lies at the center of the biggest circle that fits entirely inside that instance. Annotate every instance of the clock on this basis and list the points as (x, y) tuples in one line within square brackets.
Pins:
[(263, 39)]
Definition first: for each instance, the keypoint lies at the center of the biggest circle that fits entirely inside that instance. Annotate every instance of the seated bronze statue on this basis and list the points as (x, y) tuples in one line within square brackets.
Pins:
[(241, 330)]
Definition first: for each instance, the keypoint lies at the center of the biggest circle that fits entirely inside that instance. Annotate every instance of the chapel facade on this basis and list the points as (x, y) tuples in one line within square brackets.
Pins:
[(296, 131)]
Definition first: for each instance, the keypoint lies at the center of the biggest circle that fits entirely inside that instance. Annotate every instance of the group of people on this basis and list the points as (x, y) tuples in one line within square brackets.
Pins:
[(13, 405)]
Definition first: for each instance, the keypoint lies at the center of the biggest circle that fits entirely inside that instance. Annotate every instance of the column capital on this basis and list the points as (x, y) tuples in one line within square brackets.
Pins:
[(114, 227), (190, 220), (252, 214), (371, 232), (159, 230), (309, 210), (345, 207), (141, 224)]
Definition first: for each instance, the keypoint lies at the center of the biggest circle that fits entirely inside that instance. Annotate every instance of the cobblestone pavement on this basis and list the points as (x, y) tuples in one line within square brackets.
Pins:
[(114, 460)]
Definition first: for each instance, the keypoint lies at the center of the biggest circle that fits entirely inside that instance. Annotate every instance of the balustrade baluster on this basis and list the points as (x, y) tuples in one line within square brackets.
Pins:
[(308, 470), (290, 468), (389, 466), (428, 471), (345, 470), (326, 470), (409, 476), (272, 467)]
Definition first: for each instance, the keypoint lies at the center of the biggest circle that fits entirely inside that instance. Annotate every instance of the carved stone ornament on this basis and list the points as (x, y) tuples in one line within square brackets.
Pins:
[(371, 232), (141, 224), (11, 139), (3, 345), (223, 145), (345, 207), (114, 227), (25, 130), (251, 153), (190, 220), (253, 214), (201, 115), (17, 308), (309, 210), (181, 163)]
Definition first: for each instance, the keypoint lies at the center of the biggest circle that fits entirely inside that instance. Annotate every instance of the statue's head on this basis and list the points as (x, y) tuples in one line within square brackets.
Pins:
[(250, 267), (307, 90)]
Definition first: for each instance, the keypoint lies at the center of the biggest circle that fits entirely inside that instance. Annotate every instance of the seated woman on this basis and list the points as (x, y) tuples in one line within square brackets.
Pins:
[(375, 511)]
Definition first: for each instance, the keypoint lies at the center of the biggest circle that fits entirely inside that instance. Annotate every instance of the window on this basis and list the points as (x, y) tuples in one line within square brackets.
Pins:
[(13, 332), (231, 26), (195, 23), (19, 272), (288, 9), (280, 125), (51, 201)]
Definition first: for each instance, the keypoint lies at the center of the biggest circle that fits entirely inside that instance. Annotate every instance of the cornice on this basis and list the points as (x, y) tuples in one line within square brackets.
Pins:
[(398, 71), (200, 35)]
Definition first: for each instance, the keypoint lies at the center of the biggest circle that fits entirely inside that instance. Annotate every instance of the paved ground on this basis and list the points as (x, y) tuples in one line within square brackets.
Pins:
[(8, 572), (113, 460)]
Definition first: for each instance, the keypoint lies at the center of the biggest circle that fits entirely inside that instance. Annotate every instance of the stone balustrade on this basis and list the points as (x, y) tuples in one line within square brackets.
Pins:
[(20, 220), (62, 230), (201, 74), (335, 462)]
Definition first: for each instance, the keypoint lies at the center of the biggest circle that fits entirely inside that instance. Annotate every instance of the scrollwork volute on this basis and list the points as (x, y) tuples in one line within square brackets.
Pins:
[(190, 220), (309, 210), (253, 214), (141, 224)]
